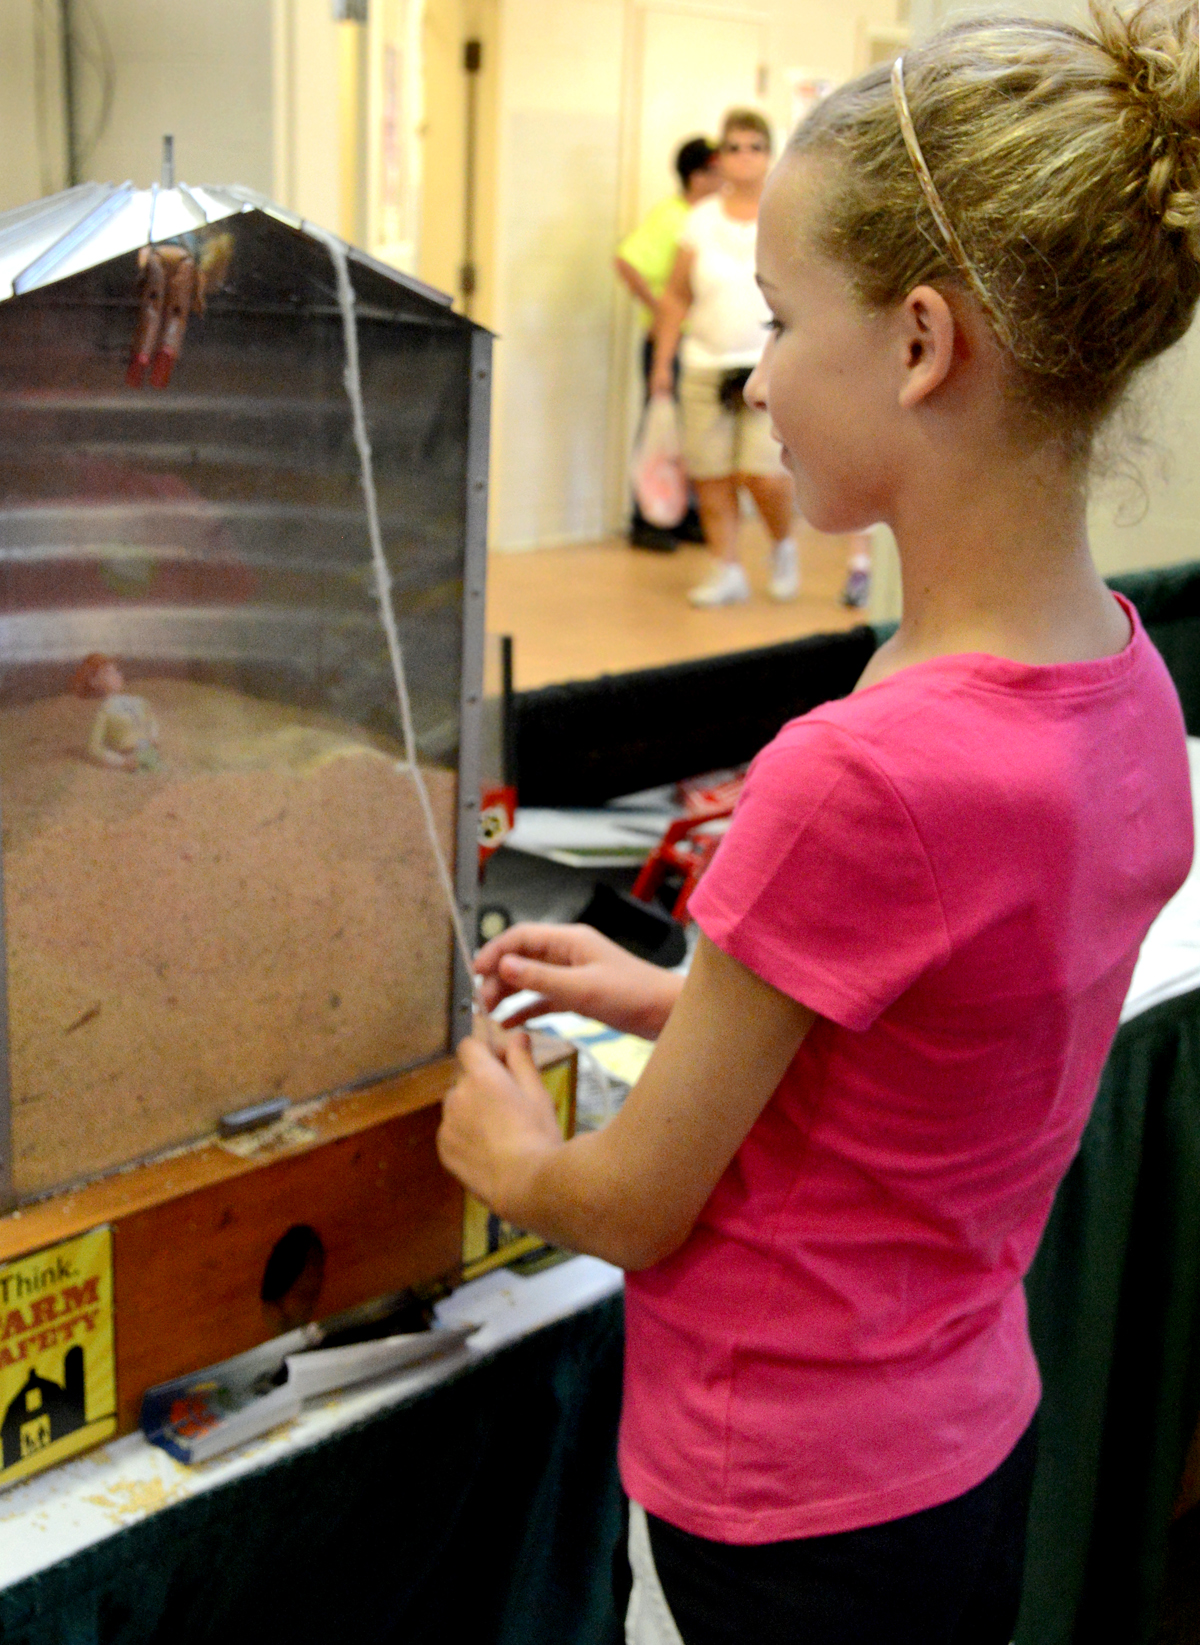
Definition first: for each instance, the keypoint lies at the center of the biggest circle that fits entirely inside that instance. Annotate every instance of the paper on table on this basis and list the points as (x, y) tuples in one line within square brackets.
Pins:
[(321, 1370), (624, 1056), (199, 1416), (581, 838)]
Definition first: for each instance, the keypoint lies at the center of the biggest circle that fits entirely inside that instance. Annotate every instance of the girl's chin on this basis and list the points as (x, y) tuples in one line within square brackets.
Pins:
[(831, 519), (828, 521)]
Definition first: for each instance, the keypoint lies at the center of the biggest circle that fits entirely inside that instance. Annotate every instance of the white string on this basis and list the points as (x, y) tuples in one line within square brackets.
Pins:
[(383, 588)]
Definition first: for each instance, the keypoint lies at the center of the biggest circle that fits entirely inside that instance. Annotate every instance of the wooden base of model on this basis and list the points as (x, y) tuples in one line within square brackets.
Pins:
[(223, 1245)]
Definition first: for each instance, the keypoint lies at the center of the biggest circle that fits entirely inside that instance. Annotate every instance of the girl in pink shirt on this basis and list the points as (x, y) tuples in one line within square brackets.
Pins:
[(917, 935)]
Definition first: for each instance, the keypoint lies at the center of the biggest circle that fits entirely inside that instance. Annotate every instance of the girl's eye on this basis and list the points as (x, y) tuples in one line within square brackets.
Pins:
[(773, 325)]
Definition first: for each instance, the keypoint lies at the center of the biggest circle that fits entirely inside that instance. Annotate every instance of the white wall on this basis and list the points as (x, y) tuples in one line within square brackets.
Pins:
[(445, 25), (248, 88), (199, 71), (558, 143), (1130, 529), (1161, 526), (21, 175), (569, 170), (306, 135)]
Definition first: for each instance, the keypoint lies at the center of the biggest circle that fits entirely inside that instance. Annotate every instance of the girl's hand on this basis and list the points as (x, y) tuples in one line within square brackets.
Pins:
[(498, 1123), (631, 1192), (574, 968)]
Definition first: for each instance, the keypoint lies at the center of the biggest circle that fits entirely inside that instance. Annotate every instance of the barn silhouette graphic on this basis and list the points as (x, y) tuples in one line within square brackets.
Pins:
[(43, 1411)]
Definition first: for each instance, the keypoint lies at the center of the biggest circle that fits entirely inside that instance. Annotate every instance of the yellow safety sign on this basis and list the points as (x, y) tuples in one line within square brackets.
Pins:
[(58, 1387)]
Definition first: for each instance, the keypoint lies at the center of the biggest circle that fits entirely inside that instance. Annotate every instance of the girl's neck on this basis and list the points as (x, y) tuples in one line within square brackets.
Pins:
[(998, 562)]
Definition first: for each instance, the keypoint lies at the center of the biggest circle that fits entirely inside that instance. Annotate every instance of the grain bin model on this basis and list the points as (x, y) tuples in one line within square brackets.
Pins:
[(242, 502)]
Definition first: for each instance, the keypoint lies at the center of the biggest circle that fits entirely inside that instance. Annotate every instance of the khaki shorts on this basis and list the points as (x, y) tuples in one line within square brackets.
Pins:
[(716, 442)]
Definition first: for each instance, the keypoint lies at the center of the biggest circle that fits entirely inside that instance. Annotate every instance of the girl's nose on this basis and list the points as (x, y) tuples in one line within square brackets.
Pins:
[(755, 392)]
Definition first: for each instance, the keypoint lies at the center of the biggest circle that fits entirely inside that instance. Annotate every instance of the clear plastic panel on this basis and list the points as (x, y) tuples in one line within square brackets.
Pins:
[(217, 884)]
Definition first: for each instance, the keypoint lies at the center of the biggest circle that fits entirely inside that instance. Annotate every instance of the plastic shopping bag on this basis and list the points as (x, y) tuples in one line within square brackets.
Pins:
[(659, 481)]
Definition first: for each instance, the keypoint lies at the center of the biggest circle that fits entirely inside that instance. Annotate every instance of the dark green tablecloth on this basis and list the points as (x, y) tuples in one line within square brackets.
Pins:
[(1114, 1300), (489, 1509)]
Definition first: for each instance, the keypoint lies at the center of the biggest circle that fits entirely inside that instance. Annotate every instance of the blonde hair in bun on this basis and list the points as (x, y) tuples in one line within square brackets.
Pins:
[(1052, 172), (1156, 54)]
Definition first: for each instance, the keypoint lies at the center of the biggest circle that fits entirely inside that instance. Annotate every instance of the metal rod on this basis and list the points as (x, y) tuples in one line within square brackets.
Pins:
[(468, 279), (66, 32), (168, 162)]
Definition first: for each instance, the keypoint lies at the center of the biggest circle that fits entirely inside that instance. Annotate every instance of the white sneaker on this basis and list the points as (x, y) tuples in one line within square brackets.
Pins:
[(727, 586), (785, 571)]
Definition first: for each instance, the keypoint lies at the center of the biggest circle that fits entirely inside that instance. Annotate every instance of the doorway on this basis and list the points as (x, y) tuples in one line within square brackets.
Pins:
[(691, 65), (685, 66)]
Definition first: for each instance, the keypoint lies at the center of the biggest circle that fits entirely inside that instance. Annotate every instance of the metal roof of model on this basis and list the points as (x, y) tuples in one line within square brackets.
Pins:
[(71, 232)]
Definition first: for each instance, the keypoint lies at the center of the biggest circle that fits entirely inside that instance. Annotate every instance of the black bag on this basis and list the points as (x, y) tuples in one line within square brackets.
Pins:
[(731, 390)]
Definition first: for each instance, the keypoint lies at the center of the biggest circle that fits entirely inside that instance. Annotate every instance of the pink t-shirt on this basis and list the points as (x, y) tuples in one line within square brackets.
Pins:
[(955, 868)]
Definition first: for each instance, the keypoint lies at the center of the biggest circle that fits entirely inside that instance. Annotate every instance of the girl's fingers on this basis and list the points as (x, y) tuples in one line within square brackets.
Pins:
[(489, 1032), (561, 985), (489, 1066), (556, 944), (540, 940), (477, 1059), (493, 992), (518, 1058), (514, 968)]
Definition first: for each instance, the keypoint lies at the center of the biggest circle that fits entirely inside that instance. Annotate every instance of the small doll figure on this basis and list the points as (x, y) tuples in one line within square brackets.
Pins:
[(174, 282), (124, 733)]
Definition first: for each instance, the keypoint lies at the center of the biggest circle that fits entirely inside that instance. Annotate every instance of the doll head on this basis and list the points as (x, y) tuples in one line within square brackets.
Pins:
[(97, 676)]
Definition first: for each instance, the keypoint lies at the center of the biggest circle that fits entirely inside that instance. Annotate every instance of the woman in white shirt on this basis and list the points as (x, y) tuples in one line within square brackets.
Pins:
[(726, 443)]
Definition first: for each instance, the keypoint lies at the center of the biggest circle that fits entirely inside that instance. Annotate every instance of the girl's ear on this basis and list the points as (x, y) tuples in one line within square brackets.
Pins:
[(928, 331)]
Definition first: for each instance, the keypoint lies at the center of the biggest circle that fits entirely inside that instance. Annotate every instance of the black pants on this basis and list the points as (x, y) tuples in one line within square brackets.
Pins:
[(950, 1575)]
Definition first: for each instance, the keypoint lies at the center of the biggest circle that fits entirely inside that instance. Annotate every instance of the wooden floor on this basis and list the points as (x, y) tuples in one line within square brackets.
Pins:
[(603, 608)]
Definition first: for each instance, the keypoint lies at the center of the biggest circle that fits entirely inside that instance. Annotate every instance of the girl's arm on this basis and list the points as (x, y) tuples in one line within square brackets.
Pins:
[(631, 1192), (673, 308)]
